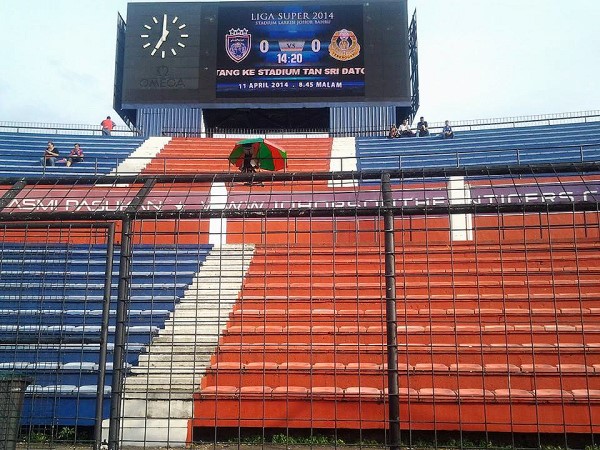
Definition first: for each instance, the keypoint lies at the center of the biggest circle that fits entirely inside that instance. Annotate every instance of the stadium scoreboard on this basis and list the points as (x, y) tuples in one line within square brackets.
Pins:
[(223, 54)]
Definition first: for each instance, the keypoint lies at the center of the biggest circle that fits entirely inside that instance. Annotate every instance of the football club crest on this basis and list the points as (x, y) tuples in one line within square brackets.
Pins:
[(344, 45), (238, 43)]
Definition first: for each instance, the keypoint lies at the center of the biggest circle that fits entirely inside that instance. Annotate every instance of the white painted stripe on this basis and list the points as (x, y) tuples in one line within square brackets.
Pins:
[(218, 225), (461, 225), (141, 157), (343, 159)]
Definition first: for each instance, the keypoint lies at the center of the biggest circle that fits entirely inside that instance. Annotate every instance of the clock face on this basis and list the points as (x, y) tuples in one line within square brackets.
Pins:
[(164, 36)]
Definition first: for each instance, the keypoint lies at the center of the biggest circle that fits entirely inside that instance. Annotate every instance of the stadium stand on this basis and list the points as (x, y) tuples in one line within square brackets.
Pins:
[(283, 326), (209, 155), (520, 145), (485, 340), (50, 318), (20, 154)]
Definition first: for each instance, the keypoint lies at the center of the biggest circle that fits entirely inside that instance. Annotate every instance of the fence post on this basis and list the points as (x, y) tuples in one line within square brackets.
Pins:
[(120, 328), (391, 318), (104, 335)]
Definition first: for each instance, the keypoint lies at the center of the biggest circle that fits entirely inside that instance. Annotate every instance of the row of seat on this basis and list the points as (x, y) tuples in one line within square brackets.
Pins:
[(63, 353), (526, 145), (496, 334), (20, 154), (428, 408), (195, 155), (51, 306), (430, 394), (326, 314), (55, 317), (453, 376), (303, 368), (444, 300), (502, 328), (552, 353)]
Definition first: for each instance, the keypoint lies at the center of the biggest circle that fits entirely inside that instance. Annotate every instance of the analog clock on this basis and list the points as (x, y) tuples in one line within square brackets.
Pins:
[(164, 36)]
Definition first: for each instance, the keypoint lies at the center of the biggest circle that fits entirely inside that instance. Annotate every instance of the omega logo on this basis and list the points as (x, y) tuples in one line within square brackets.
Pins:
[(162, 80)]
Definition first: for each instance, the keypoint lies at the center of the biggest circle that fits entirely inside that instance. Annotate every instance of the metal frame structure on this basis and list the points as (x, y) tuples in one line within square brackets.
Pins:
[(110, 242), (413, 56), (388, 210)]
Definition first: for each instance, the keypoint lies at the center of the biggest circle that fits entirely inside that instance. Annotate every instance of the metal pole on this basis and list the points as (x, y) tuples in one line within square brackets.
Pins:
[(391, 318), (104, 336), (118, 356)]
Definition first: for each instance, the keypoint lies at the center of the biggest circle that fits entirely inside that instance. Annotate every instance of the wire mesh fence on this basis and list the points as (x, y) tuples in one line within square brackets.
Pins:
[(448, 308)]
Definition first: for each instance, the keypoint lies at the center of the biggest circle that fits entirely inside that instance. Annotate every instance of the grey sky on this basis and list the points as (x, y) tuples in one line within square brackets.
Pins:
[(477, 58)]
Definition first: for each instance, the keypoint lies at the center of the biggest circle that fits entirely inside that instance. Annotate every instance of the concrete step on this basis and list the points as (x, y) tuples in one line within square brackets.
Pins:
[(167, 379), (199, 313), (151, 432), (191, 359), (171, 360), (171, 370), (203, 340)]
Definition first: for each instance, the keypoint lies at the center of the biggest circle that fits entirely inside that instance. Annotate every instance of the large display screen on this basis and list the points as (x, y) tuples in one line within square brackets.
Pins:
[(302, 50), (266, 53)]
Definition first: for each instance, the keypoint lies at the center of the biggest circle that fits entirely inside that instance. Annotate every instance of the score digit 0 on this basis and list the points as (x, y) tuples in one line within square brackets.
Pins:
[(315, 46)]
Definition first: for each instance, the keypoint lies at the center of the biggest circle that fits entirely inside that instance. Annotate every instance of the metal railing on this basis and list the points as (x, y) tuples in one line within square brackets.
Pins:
[(457, 125), (160, 165), (61, 128), (516, 155)]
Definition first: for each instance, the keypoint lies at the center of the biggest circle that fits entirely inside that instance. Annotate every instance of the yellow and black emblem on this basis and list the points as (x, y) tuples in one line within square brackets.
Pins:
[(344, 45)]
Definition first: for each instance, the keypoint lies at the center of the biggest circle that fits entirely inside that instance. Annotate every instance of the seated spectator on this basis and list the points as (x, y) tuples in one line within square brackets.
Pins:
[(422, 127), (107, 126), (249, 163), (75, 156), (393, 133), (405, 130), (50, 155), (447, 132)]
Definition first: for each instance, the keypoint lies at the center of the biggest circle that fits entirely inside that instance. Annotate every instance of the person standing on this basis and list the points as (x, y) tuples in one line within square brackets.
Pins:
[(50, 155), (107, 126), (422, 127)]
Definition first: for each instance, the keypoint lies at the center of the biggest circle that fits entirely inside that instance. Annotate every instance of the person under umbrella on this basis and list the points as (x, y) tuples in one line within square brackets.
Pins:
[(257, 153), (247, 166)]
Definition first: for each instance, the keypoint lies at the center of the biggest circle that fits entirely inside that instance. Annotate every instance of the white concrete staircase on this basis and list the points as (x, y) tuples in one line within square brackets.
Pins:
[(343, 159), (158, 395), (141, 157)]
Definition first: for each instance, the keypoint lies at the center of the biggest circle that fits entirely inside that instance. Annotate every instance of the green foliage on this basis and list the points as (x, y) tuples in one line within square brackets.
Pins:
[(37, 437), (307, 440), (370, 443), (460, 444), (252, 440), (66, 434)]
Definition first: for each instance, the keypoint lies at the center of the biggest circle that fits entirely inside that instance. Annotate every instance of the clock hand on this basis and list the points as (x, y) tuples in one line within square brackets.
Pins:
[(159, 43), (162, 39), (165, 32)]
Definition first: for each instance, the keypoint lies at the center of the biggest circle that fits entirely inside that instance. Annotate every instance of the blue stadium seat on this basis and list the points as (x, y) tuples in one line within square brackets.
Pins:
[(51, 299), (20, 154), (524, 145)]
